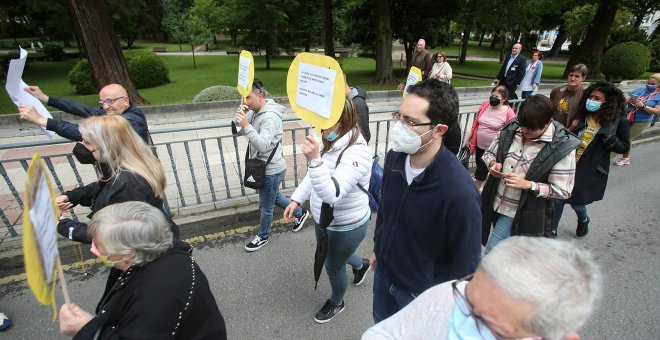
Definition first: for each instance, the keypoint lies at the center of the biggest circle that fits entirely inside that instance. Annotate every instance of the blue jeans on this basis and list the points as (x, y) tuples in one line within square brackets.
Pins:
[(341, 251), (269, 196), (580, 211), (526, 94), (501, 231), (388, 298)]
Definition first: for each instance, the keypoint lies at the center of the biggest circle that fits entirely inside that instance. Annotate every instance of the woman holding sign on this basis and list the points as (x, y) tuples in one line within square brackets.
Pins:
[(126, 168), (338, 176)]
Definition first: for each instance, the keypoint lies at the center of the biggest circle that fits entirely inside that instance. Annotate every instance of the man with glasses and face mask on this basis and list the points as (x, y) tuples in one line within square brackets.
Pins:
[(428, 224), (527, 288), (113, 100)]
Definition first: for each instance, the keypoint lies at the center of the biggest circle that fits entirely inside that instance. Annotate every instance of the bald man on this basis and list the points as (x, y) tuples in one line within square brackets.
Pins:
[(113, 99), (421, 58), (512, 71)]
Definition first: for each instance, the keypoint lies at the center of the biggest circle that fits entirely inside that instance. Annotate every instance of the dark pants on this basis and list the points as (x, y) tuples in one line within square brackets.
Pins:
[(526, 94), (512, 91), (388, 298)]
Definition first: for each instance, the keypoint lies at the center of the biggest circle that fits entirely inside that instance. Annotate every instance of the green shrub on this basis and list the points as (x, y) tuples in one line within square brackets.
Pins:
[(146, 69), (219, 93), (54, 52), (80, 77), (625, 61)]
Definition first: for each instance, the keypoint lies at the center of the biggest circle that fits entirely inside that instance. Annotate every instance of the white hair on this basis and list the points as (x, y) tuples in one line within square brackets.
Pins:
[(136, 228), (422, 41), (560, 279)]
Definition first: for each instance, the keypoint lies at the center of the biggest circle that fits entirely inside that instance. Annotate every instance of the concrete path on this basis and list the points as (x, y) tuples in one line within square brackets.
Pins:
[(270, 294)]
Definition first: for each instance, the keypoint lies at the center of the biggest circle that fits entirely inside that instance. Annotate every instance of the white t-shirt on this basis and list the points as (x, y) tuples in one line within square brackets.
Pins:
[(411, 172), (426, 317)]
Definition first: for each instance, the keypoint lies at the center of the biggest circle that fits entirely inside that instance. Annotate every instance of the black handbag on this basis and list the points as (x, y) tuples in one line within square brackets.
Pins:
[(255, 169)]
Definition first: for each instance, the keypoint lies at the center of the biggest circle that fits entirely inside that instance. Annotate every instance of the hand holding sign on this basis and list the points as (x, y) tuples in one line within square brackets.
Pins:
[(315, 87), (414, 77)]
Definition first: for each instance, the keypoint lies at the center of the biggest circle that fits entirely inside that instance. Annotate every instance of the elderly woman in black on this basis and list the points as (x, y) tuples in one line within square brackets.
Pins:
[(161, 292), (602, 127)]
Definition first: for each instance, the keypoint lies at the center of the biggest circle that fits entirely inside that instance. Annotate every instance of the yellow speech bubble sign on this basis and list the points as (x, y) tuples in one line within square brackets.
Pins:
[(316, 89), (245, 73), (414, 77)]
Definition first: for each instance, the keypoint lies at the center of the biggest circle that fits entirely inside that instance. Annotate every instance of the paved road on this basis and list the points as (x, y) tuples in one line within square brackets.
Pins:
[(269, 294)]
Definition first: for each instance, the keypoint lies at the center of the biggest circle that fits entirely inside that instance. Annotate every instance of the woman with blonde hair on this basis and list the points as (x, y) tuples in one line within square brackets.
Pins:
[(125, 166)]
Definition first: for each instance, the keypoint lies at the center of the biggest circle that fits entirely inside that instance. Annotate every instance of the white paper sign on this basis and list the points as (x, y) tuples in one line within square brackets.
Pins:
[(316, 86), (243, 72), (15, 88), (413, 78), (44, 224)]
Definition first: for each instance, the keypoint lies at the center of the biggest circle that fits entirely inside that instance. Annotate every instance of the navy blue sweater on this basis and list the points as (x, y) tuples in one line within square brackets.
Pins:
[(70, 131), (427, 232)]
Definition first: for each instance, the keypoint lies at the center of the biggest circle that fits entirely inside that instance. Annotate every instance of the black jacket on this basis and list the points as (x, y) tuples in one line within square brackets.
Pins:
[(516, 72), (360, 103), (124, 187), (70, 131), (534, 214), (168, 298), (591, 170)]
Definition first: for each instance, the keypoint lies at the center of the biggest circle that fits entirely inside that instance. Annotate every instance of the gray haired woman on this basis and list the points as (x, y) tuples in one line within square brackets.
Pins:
[(161, 292)]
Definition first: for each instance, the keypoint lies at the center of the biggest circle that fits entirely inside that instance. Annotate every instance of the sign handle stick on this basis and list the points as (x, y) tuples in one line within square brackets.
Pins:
[(65, 289)]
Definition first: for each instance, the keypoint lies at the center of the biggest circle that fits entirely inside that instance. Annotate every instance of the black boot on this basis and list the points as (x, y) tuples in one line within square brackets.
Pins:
[(582, 228)]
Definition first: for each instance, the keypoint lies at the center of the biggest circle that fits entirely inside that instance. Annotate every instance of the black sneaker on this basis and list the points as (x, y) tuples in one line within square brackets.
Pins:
[(582, 228), (361, 274), (256, 243), (328, 311), (299, 221)]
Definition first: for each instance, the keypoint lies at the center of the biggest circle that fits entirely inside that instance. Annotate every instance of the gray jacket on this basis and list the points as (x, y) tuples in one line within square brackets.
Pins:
[(263, 133)]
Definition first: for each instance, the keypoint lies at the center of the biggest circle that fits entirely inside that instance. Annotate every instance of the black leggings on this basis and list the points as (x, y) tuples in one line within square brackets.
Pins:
[(482, 169)]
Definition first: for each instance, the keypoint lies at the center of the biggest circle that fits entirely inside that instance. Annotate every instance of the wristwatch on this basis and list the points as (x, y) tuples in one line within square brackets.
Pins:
[(315, 163)]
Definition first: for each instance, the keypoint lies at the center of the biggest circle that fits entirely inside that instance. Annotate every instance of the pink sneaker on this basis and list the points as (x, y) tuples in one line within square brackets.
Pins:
[(622, 161)]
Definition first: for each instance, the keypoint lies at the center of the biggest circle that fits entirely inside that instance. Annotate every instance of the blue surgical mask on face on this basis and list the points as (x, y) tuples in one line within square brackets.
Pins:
[(651, 88), (592, 105), (464, 327), (332, 136)]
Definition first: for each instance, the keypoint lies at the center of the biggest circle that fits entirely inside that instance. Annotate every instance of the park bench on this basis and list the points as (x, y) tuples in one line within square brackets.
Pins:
[(160, 49), (342, 51), (230, 52)]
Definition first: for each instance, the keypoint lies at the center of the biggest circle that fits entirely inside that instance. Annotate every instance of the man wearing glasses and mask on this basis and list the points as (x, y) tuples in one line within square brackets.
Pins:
[(526, 288), (429, 218), (113, 100)]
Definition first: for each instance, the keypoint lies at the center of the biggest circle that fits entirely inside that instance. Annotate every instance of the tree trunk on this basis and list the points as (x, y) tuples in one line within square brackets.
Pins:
[(591, 49), (496, 38), (481, 38), (408, 47), (192, 48), (105, 57), (502, 49), (383, 41), (233, 32), (464, 46), (560, 40), (328, 29)]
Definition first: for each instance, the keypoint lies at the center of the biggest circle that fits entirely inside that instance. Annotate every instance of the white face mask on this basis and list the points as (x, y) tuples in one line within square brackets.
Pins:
[(405, 140)]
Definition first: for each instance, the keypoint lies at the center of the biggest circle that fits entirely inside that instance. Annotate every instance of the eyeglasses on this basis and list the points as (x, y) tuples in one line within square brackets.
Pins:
[(110, 101), (396, 116), (466, 308)]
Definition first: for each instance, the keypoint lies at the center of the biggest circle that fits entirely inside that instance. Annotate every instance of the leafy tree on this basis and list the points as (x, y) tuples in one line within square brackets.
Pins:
[(304, 23), (266, 26), (210, 12), (642, 8), (126, 18), (196, 32)]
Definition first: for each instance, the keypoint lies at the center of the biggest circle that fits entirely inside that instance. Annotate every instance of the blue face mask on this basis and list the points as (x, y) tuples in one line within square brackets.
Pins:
[(592, 105), (651, 88), (332, 136), (464, 327)]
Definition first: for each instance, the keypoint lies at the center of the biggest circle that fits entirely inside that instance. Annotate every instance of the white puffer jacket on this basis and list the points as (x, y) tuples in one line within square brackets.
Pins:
[(350, 202)]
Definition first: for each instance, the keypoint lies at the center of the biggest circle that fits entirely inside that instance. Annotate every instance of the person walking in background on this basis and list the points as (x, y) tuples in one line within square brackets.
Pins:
[(441, 69), (113, 99), (643, 103), (532, 79), (427, 226), (359, 96), (565, 98), (512, 71), (491, 117), (338, 177), (602, 129), (531, 161), (421, 58), (260, 120)]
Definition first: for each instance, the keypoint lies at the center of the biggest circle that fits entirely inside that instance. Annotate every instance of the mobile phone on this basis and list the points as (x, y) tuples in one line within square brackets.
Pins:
[(633, 97)]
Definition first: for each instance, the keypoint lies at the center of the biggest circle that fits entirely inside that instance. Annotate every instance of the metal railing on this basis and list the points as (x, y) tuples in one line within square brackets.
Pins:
[(204, 172)]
